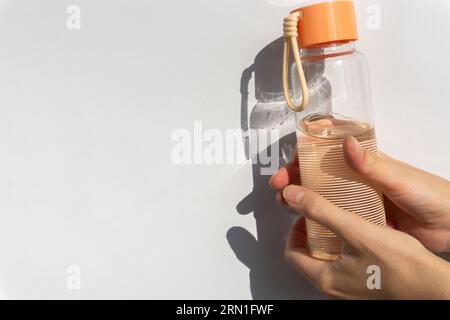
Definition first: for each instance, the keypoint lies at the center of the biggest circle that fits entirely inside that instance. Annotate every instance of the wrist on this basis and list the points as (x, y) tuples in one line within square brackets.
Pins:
[(440, 277), (428, 278)]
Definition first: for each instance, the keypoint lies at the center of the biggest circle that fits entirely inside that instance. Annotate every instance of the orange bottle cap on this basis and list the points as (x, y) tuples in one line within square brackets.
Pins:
[(325, 23)]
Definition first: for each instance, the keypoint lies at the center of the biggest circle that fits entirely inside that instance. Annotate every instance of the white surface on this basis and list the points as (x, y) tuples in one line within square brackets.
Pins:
[(86, 176)]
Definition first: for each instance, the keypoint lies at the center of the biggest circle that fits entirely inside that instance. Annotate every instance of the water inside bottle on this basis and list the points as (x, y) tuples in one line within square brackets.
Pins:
[(324, 170)]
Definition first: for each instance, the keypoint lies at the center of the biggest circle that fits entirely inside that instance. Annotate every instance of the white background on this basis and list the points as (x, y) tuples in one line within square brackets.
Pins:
[(86, 176)]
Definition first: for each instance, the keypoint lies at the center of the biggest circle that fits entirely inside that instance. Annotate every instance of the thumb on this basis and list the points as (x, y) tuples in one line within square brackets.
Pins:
[(390, 175), (411, 189)]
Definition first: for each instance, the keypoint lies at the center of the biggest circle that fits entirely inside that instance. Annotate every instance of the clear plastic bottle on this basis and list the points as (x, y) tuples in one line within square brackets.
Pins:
[(338, 80)]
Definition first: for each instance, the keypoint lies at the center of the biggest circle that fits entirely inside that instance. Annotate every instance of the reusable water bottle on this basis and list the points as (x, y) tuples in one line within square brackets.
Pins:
[(330, 93)]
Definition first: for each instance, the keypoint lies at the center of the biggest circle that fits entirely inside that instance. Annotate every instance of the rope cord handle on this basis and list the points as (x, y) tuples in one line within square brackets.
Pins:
[(290, 40)]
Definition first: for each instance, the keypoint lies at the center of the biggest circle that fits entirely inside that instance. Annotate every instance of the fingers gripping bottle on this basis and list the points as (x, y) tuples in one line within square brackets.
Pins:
[(332, 100)]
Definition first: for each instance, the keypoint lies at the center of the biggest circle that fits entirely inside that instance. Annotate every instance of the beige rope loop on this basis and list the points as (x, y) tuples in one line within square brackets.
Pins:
[(290, 40)]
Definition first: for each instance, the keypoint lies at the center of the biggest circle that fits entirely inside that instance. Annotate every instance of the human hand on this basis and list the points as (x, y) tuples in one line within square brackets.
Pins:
[(407, 269), (416, 202), (419, 204)]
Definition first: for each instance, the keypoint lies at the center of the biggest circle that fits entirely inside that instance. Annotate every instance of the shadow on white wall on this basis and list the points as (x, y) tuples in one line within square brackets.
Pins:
[(271, 277)]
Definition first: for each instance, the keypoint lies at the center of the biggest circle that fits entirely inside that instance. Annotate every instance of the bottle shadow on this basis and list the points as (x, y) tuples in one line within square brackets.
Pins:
[(271, 277)]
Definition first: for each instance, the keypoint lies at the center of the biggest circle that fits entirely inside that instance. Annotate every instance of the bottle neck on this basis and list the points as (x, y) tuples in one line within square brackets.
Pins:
[(328, 50)]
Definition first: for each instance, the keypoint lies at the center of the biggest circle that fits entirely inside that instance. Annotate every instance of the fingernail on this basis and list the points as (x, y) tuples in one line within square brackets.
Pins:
[(356, 148), (280, 199), (293, 194)]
